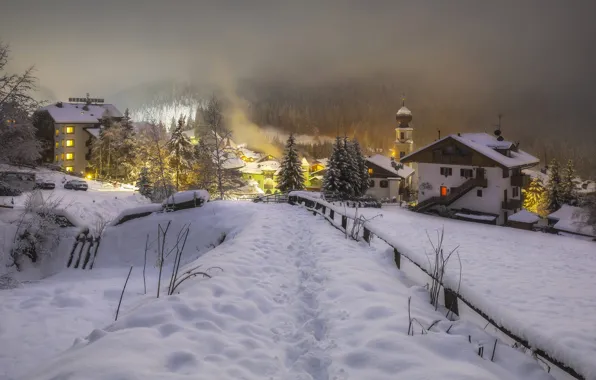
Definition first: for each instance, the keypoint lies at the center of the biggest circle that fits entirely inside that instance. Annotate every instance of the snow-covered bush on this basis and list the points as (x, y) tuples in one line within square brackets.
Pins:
[(38, 232)]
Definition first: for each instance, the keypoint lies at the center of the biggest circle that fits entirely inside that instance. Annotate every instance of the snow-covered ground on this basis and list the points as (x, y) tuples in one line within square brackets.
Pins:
[(539, 286), (295, 300)]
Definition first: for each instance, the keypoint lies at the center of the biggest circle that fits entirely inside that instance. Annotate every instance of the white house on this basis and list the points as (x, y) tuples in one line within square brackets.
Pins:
[(388, 179), (475, 174)]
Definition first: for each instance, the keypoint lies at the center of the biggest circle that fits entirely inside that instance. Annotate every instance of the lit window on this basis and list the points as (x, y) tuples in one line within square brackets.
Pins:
[(62, 157), (370, 171), (70, 156), (69, 142), (57, 132), (443, 191), (57, 144), (69, 169), (70, 129), (62, 143), (56, 158)]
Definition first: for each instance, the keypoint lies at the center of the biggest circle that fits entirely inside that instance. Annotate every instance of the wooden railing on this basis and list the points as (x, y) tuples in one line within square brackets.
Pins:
[(452, 296), (272, 198), (455, 194)]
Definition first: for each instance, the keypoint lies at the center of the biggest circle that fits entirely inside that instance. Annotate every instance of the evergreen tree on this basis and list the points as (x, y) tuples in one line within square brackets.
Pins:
[(346, 168), (568, 190), (535, 197), (333, 182), (127, 122), (353, 168), (144, 183), (363, 184), (291, 176), (181, 155), (554, 189)]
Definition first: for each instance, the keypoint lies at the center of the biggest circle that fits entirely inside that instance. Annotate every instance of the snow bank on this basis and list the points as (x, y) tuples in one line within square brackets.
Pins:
[(124, 244), (487, 218), (187, 196), (295, 300), (140, 210), (539, 286)]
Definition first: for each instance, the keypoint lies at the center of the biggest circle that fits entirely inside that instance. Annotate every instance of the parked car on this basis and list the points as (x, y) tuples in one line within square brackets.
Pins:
[(76, 184), (44, 184)]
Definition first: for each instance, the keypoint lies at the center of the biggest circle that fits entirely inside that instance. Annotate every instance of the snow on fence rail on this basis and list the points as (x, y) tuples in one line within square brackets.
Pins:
[(452, 299)]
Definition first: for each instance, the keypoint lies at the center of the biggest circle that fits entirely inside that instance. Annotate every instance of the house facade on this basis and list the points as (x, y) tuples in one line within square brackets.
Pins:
[(76, 124), (388, 179), (474, 174)]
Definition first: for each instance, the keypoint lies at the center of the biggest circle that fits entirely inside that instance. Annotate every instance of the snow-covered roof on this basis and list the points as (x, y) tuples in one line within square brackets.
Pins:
[(322, 161), (304, 162), (404, 111), (248, 153), (565, 212), (94, 131), (536, 174), (385, 163), (524, 216), (233, 163), (259, 167), (489, 218), (576, 225), (486, 145), (75, 112)]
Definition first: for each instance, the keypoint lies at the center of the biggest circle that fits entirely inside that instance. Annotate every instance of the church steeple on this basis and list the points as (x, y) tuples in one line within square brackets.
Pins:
[(404, 141)]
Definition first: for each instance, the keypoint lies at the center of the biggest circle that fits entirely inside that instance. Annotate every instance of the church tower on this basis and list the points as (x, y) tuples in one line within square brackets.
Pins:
[(404, 133)]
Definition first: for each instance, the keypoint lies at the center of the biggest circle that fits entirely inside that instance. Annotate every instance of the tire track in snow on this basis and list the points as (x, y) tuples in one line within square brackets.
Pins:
[(306, 352)]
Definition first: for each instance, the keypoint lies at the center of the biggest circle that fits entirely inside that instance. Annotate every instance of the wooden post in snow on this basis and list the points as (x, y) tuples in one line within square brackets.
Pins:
[(397, 258), (451, 301)]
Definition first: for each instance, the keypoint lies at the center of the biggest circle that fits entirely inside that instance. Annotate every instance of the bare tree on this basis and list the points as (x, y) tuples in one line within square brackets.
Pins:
[(216, 138), (18, 143)]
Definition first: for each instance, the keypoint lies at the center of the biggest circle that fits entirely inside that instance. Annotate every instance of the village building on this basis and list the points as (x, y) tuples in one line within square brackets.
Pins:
[(473, 174), (76, 124), (388, 179)]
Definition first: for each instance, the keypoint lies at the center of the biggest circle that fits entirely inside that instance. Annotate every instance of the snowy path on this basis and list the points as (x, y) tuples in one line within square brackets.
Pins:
[(296, 300)]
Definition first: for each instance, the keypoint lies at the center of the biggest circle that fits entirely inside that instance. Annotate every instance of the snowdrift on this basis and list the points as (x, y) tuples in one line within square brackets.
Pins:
[(124, 244)]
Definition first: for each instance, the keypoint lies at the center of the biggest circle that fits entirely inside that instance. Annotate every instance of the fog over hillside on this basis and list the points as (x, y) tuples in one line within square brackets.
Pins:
[(339, 64)]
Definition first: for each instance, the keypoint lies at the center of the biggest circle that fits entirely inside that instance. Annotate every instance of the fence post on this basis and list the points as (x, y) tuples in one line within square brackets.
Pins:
[(451, 301), (366, 235), (332, 214), (344, 221), (397, 258)]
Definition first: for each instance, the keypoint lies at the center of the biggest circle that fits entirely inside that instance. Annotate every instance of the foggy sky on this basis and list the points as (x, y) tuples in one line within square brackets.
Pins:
[(466, 50)]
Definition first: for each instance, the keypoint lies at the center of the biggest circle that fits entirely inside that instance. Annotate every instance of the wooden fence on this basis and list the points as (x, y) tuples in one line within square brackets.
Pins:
[(84, 251), (452, 299)]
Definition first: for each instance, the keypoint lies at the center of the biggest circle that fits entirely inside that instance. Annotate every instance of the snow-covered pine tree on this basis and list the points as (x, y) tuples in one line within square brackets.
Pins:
[(332, 181), (144, 184), (126, 122), (353, 167), (568, 190), (535, 197), (291, 176), (553, 189), (362, 169), (181, 154), (346, 169)]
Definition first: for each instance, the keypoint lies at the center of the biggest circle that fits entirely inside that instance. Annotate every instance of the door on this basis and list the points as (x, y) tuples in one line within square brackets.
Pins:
[(443, 191), (480, 173)]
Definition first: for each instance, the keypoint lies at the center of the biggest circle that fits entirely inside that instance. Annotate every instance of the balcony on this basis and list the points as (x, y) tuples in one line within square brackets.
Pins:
[(519, 180), (511, 204)]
